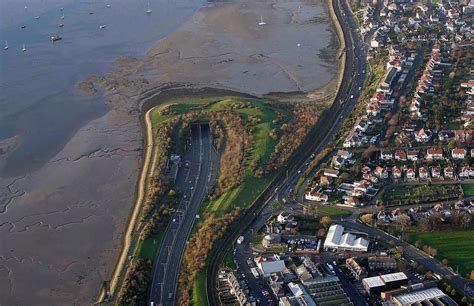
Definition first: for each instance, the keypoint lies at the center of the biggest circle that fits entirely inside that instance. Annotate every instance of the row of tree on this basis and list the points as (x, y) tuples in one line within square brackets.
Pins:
[(198, 248)]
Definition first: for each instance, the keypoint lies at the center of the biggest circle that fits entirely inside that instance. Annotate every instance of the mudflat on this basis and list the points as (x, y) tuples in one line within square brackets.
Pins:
[(61, 226)]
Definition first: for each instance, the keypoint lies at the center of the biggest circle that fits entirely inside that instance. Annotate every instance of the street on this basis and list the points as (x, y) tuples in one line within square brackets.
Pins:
[(193, 184)]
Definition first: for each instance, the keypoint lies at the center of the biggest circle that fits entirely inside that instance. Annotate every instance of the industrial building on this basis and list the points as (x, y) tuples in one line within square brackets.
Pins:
[(384, 282), (336, 239)]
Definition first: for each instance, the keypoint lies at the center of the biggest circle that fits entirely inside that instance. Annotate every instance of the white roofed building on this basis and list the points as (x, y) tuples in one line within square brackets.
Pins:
[(338, 240)]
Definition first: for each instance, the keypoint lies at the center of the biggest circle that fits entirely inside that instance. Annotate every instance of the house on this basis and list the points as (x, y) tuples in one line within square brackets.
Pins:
[(381, 173), (412, 155), (472, 153), (464, 173), (316, 196), (386, 155), (449, 172), (435, 172), (410, 174), (351, 201), (422, 135), (400, 155), (331, 173), (423, 173), (458, 153), (324, 181), (434, 153), (396, 173), (344, 154), (285, 217), (366, 169)]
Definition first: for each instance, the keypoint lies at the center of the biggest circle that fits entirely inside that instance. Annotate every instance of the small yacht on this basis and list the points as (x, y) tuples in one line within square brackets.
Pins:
[(6, 46), (24, 48), (62, 17), (37, 17), (108, 6), (102, 26), (23, 26), (56, 38), (149, 10), (262, 23), (298, 45), (61, 25), (61, 9)]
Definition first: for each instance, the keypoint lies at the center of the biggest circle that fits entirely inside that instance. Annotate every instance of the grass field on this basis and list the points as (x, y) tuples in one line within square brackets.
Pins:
[(468, 189), (333, 211), (149, 247), (456, 246)]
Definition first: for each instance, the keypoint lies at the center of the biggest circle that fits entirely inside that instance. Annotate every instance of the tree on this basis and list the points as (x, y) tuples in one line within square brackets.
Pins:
[(445, 262), (471, 276), (326, 221), (367, 218), (465, 220)]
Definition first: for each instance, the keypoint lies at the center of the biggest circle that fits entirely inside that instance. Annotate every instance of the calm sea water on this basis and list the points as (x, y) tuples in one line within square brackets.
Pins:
[(38, 96)]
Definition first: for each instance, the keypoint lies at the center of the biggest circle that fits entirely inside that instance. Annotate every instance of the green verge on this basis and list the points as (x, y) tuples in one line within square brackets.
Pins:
[(455, 246), (468, 189)]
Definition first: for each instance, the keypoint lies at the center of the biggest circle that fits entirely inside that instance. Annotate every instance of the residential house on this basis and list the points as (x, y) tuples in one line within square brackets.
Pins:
[(435, 172), (396, 173), (331, 173), (352, 201), (315, 196), (449, 172), (410, 174), (381, 173), (458, 153), (422, 135), (434, 153), (464, 172), (400, 155), (386, 155), (412, 155), (324, 181), (423, 173)]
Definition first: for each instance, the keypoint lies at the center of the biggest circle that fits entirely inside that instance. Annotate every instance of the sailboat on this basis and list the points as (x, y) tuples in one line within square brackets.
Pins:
[(261, 23), (108, 6), (24, 48), (6, 46), (61, 25), (149, 10), (102, 26)]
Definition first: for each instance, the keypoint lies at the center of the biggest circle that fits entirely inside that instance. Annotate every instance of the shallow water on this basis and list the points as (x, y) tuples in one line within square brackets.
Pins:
[(38, 97)]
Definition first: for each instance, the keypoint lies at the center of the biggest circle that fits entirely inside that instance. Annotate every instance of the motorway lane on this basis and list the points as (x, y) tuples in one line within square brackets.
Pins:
[(202, 173), (346, 98)]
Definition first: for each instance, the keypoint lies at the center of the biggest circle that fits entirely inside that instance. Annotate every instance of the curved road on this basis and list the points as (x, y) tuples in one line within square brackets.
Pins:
[(194, 184)]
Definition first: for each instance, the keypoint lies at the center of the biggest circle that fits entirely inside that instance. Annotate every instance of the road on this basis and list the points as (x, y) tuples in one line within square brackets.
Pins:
[(193, 184), (346, 98)]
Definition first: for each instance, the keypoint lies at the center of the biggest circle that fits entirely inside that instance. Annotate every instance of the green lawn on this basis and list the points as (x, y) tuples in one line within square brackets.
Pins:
[(456, 246), (149, 247), (468, 189), (333, 211), (199, 289)]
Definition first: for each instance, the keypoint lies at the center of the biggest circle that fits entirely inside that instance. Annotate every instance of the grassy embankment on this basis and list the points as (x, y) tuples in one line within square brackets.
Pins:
[(244, 194), (455, 246), (240, 196)]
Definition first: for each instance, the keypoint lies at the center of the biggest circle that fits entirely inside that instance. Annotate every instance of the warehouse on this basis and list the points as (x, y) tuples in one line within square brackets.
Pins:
[(336, 239), (381, 283)]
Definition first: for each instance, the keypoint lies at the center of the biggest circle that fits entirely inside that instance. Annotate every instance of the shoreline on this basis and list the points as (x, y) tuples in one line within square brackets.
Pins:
[(152, 97)]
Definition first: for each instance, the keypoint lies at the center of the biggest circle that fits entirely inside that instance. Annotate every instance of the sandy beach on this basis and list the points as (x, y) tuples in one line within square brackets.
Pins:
[(61, 226)]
